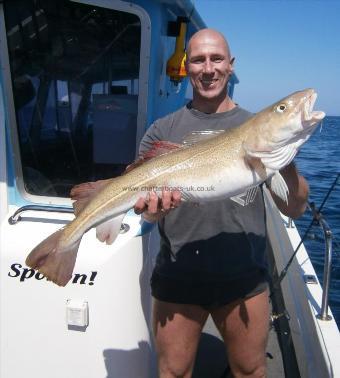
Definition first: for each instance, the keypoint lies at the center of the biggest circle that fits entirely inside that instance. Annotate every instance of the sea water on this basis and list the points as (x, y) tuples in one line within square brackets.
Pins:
[(319, 162)]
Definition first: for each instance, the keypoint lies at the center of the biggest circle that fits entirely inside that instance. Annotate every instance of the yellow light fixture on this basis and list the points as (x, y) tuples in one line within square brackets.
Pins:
[(175, 67)]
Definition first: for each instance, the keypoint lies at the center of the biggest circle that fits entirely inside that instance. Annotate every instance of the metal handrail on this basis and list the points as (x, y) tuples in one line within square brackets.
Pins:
[(328, 235), (15, 218), (53, 209), (326, 270), (323, 315)]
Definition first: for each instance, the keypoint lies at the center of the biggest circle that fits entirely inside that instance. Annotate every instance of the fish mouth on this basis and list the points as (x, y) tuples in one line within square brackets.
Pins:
[(309, 116)]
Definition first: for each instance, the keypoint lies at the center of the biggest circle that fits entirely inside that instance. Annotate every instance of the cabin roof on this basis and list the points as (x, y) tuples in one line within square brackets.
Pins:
[(187, 8)]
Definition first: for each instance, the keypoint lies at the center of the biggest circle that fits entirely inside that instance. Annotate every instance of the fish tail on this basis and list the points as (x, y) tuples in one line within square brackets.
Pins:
[(55, 262)]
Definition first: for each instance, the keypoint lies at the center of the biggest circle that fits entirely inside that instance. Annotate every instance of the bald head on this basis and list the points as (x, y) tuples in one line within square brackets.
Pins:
[(208, 36), (209, 67)]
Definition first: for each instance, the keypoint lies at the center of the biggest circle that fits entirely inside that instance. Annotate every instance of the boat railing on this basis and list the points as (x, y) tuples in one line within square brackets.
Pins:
[(328, 237), (54, 209), (15, 218)]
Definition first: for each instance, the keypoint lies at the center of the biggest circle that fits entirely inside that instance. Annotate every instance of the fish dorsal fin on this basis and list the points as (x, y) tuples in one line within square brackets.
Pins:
[(158, 148), (278, 186), (197, 136), (134, 165), (83, 193), (275, 159)]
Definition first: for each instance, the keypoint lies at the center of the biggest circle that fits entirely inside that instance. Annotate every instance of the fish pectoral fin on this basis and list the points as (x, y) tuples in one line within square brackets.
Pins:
[(83, 193), (278, 186), (274, 159), (109, 230), (197, 136), (246, 197)]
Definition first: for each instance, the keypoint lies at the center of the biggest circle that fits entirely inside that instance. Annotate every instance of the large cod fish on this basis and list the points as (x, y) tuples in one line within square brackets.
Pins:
[(232, 162)]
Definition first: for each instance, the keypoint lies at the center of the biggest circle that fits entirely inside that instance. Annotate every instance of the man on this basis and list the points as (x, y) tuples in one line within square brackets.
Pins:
[(212, 256)]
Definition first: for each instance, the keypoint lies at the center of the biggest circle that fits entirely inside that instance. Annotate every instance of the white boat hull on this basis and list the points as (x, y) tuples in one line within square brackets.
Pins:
[(117, 341)]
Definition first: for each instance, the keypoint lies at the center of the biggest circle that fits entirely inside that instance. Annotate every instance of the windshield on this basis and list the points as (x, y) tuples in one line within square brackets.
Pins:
[(75, 78)]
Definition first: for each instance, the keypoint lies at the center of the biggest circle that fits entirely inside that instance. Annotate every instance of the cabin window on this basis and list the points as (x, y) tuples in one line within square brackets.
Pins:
[(75, 79)]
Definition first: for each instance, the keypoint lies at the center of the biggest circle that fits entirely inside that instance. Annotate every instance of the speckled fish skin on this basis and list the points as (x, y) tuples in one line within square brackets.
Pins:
[(230, 163)]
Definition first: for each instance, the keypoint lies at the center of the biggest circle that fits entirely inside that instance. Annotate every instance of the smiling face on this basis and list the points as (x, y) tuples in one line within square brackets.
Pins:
[(209, 66)]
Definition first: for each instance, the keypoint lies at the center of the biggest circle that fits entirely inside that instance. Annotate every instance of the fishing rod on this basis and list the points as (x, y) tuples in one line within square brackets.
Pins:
[(317, 216)]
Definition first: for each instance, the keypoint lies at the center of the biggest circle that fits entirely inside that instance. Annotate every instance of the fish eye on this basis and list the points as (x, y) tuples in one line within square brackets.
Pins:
[(281, 108)]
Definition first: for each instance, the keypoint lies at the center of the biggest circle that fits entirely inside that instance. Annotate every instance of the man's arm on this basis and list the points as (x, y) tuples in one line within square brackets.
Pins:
[(298, 193)]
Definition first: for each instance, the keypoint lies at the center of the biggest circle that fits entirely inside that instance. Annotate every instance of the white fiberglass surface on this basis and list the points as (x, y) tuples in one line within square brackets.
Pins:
[(113, 280)]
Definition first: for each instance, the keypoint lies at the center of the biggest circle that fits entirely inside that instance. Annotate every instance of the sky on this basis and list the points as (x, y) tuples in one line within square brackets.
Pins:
[(280, 46)]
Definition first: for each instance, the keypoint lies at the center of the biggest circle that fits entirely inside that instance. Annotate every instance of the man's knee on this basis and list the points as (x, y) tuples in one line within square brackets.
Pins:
[(174, 368), (254, 369)]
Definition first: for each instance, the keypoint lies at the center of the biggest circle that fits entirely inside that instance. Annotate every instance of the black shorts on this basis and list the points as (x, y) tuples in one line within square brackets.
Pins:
[(207, 294)]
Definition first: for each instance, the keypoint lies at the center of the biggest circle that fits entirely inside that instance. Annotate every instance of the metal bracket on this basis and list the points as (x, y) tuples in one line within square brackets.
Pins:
[(310, 279), (290, 223), (124, 228), (275, 317)]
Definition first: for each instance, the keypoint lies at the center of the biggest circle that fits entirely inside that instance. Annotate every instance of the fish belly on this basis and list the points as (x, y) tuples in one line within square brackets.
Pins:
[(218, 183)]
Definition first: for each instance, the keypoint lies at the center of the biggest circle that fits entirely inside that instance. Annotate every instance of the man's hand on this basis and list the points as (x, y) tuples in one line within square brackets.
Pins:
[(155, 208)]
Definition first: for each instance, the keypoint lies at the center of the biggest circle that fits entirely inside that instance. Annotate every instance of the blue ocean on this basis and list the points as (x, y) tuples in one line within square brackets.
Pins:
[(319, 161)]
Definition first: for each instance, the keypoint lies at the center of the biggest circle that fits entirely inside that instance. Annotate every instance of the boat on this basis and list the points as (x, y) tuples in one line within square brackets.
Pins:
[(80, 82)]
